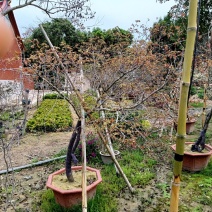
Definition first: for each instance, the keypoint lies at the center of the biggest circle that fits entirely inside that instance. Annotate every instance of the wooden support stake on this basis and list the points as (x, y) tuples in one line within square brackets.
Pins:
[(84, 179), (106, 129)]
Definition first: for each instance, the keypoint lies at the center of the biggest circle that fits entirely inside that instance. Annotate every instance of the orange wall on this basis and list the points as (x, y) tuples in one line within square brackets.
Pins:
[(10, 67)]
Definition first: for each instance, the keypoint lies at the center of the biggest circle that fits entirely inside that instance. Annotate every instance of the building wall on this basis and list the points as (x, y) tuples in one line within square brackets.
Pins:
[(10, 66)]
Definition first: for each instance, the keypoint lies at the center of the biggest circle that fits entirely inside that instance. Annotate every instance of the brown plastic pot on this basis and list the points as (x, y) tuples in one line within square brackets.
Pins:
[(189, 125), (68, 198), (195, 161)]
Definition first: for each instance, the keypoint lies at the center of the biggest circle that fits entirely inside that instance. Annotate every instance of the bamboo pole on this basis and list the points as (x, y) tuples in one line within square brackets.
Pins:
[(79, 96), (182, 112), (204, 106), (84, 178), (83, 104), (106, 130)]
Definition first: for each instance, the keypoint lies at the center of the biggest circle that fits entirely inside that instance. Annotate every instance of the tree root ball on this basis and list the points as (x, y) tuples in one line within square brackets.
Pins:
[(6, 36)]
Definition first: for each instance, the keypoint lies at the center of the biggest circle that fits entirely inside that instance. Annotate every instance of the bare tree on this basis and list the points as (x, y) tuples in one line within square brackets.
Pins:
[(10, 97), (129, 79), (73, 9)]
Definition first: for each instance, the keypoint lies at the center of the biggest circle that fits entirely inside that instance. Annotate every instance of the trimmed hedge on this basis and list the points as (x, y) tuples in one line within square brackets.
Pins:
[(54, 96), (52, 115)]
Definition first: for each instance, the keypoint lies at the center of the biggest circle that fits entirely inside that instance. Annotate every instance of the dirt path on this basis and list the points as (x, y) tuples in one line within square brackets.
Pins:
[(36, 147), (33, 148)]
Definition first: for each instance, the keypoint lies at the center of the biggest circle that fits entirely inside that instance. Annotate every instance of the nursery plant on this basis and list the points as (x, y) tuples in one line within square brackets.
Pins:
[(111, 187), (199, 145), (75, 137)]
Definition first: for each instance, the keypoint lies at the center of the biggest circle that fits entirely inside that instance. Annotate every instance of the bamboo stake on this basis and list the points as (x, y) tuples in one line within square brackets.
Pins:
[(83, 104), (204, 106), (182, 112), (106, 130), (84, 179), (63, 67), (25, 106)]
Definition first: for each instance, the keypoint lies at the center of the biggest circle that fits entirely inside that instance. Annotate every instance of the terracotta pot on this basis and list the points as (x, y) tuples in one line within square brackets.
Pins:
[(68, 198), (195, 161), (189, 126), (106, 158)]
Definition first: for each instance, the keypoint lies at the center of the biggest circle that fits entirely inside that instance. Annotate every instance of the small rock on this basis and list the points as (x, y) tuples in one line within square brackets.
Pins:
[(38, 186), (21, 198), (28, 177)]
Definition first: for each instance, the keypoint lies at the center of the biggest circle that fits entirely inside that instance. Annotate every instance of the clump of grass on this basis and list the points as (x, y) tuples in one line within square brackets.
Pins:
[(196, 104), (196, 188), (60, 153)]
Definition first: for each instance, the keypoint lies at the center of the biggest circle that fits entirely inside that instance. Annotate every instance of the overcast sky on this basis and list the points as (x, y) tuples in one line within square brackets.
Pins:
[(109, 13)]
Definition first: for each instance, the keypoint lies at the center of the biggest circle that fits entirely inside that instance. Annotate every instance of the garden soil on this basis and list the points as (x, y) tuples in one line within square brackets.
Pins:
[(61, 181)]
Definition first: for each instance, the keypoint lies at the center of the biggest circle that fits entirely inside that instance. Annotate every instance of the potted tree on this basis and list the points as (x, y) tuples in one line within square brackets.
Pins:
[(197, 155), (68, 194), (67, 183)]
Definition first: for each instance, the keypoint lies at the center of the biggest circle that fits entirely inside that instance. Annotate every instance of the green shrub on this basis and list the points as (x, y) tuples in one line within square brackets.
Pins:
[(197, 90), (193, 90), (5, 116), (54, 96), (200, 93), (9, 116), (90, 102), (51, 116), (197, 104)]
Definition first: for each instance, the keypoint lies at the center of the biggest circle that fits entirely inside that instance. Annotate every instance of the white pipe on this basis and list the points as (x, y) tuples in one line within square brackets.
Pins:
[(31, 165)]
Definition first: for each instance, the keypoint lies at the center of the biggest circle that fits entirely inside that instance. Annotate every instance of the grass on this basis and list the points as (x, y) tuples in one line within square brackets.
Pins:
[(197, 188), (197, 104), (61, 153)]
